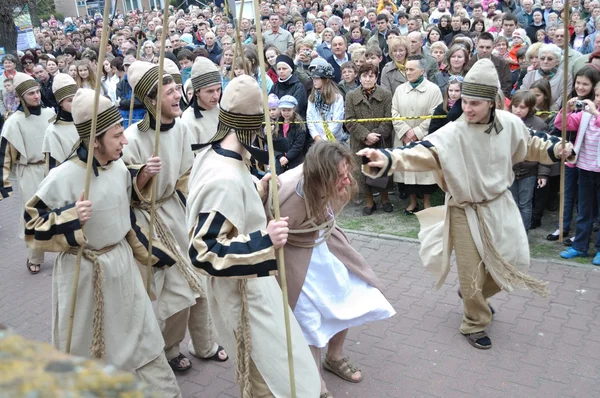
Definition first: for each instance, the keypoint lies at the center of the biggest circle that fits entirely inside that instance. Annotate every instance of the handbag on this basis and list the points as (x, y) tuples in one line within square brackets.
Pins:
[(379, 182)]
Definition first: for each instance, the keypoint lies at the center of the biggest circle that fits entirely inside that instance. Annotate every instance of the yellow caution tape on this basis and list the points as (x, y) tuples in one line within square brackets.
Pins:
[(387, 119)]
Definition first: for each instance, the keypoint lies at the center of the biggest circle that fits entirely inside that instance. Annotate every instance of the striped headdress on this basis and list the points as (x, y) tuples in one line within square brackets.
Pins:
[(23, 84), (204, 73), (63, 87), (143, 77), (481, 82), (241, 110), (83, 111)]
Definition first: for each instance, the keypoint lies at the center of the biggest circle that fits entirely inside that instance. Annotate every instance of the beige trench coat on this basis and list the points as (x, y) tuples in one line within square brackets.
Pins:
[(419, 101)]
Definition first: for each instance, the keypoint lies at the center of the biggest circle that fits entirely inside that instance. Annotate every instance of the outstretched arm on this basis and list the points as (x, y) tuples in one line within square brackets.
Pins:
[(418, 156)]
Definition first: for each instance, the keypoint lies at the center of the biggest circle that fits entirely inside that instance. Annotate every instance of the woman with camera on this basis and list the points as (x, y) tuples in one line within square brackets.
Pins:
[(587, 164)]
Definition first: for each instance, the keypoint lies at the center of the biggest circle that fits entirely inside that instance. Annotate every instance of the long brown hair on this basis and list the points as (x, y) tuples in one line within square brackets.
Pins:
[(321, 173), (329, 92)]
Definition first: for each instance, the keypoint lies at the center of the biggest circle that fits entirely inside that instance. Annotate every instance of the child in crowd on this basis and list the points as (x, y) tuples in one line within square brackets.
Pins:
[(11, 100), (294, 132), (527, 174), (587, 162), (186, 60), (577, 40), (348, 83)]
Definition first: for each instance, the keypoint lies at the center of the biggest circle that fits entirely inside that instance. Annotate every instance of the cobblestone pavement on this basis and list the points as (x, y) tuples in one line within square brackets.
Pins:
[(542, 347)]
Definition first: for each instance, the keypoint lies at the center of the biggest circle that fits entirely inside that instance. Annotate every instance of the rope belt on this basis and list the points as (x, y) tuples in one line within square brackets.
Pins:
[(310, 225), (243, 343), (495, 261), (98, 347), (164, 234)]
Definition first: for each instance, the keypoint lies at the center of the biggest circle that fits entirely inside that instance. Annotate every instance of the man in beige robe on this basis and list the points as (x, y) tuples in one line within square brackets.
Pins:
[(21, 150), (61, 135), (202, 116), (181, 302), (114, 320), (473, 158), (234, 246)]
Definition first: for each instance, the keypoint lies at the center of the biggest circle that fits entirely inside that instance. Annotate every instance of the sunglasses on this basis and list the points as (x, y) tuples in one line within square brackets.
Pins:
[(453, 79), (27, 62), (547, 58)]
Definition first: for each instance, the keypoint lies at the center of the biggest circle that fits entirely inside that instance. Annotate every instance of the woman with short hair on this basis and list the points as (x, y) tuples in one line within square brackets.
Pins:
[(550, 58)]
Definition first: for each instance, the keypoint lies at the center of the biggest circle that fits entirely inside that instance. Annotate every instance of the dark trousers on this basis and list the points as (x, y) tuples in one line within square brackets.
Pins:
[(589, 197)]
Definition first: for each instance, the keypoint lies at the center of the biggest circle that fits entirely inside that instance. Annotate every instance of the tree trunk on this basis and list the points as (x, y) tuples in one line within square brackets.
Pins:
[(33, 11), (8, 31)]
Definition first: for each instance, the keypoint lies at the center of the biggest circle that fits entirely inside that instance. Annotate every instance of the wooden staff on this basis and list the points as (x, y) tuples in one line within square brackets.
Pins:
[(238, 49), (90, 160), (281, 262), (137, 57), (561, 210), (161, 61)]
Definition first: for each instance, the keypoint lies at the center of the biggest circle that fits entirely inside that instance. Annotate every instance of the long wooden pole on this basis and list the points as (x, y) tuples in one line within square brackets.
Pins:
[(561, 210), (238, 49), (137, 57), (161, 61), (90, 161), (279, 253)]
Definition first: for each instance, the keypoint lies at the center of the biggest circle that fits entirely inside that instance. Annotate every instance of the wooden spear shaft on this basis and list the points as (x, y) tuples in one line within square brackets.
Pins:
[(161, 61), (238, 49), (137, 57), (561, 210), (90, 160), (279, 253)]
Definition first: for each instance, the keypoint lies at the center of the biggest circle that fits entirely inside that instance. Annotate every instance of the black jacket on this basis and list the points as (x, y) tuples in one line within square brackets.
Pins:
[(47, 95), (296, 138), (296, 89), (453, 114)]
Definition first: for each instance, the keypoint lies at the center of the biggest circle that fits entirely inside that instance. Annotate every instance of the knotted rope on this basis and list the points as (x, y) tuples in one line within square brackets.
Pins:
[(164, 234), (494, 260), (310, 225), (98, 347), (243, 343)]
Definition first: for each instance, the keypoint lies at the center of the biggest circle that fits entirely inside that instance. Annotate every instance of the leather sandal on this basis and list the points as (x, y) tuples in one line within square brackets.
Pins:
[(479, 340), (175, 363), (343, 368), (216, 356), (33, 271)]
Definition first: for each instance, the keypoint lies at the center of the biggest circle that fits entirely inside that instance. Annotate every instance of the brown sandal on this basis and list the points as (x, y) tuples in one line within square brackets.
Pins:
[(326, 395), (343, 368), (33, 272)]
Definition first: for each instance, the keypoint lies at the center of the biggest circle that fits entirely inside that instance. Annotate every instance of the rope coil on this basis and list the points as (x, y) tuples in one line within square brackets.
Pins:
[(98, 346)]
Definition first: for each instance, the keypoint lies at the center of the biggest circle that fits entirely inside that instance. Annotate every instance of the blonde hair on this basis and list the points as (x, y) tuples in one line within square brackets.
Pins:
[(329, 92), (91, 74), (321, 173)]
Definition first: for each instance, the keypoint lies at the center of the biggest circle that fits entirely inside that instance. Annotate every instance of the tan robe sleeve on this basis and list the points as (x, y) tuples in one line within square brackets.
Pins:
[(8, 157), (218, 250), (418, 156), (181, 187), (52, 230), (543, 148), (139, 246)]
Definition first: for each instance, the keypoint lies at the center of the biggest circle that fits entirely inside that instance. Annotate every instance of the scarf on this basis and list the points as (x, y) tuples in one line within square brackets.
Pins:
[(548, 75), (63, 115), (368, 92), (163, 127), (320, 104), (416, 84), (34, 110), (401, 67), (451, 103), (10, 75), (283, 81)]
